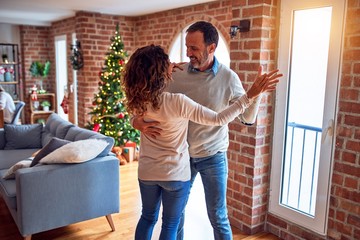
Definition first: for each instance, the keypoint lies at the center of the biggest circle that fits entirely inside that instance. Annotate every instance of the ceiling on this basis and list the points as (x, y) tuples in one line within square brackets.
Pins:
[(43, 12)]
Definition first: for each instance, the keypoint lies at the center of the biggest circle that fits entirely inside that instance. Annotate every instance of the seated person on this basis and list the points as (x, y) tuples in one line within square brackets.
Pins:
[(7, 105)]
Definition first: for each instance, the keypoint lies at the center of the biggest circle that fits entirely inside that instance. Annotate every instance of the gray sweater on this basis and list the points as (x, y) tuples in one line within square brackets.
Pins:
[(215, 91)]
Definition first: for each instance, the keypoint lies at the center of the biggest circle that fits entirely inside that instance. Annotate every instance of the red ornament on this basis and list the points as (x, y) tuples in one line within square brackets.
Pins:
[(121, 115), (100, 74), (96, 127), (121, 62)]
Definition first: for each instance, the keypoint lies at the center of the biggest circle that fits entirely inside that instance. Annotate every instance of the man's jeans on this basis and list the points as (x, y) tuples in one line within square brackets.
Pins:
[(173, 195), (214, 172)]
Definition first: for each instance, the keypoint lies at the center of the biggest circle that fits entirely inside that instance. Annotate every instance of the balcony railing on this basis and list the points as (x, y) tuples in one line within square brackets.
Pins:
[(300, 168)]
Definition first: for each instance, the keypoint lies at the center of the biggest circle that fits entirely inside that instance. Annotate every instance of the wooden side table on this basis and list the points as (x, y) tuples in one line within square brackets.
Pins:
[(1, 118)]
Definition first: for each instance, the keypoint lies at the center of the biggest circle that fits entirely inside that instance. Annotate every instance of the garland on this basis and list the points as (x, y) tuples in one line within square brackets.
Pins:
[(77, 60)]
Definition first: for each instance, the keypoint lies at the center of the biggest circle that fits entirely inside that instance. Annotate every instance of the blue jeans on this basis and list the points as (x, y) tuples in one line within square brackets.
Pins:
[(173, 195), (214, 172)]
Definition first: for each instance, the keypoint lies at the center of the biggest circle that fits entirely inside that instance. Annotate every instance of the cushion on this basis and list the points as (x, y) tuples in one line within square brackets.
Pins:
[(55, 127), (76, 152), (54, 144), (110, 145), (77, 133), (23, 136), (2, 138), (34, 154), (22, 164), (10, 157)]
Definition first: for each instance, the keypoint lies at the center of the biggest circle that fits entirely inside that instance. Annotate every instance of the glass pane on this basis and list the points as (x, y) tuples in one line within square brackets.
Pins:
[(175, 51), (61, 74), (309, 54)]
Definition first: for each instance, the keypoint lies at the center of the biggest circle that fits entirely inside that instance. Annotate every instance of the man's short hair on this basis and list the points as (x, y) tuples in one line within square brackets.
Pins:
[(210, 33)]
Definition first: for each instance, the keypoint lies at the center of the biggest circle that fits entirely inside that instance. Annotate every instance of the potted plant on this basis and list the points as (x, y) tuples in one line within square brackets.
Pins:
[(45, 105), (38, 69)]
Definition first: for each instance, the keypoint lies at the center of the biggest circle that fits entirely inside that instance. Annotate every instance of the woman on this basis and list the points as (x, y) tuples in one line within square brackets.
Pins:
[(164, 167)]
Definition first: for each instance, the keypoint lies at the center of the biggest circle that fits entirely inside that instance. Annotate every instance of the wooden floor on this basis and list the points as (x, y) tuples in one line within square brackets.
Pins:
[(197, 226)]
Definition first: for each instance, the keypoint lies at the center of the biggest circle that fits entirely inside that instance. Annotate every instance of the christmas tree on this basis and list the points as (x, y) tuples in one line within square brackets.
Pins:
[(109, 115)]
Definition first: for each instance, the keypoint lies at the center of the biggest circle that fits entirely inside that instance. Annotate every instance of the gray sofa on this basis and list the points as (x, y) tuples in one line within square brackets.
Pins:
[(44, 197)]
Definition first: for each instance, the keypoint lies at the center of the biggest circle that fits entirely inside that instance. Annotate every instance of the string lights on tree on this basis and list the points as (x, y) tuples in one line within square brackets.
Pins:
[(109, 115)]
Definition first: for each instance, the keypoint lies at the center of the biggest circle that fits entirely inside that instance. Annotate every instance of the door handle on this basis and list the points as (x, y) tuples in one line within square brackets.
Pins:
[(329, 130)]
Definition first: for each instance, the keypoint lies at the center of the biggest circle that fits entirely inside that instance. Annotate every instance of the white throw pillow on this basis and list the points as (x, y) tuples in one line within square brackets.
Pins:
[(76, 152), (10, 173)]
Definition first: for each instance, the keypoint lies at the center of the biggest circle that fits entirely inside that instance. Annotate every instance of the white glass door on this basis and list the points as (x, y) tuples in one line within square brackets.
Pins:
[(61, 74), (309, 56)]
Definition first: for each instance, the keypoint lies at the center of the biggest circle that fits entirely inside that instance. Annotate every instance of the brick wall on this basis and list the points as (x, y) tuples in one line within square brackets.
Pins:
[(94, 31), (249, 151), (250, 147), (35, 46), (344, 212), (162, 28), (344, 215)]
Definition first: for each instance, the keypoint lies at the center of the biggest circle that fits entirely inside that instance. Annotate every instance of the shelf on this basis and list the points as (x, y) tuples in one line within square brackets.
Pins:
[(42, 112), (34, 118), (12, 60), (8, 64), (8, 83), (38, 113)]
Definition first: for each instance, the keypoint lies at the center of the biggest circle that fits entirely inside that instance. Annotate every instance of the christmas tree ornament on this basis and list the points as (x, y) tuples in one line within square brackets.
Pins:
[(94, 118), (96, 127), (108, 110)]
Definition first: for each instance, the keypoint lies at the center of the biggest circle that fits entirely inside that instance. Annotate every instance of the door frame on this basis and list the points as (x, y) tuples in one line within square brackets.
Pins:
[(318, 223)]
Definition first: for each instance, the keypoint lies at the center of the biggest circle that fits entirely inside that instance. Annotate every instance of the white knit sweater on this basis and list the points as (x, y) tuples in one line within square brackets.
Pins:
[(166, 158)]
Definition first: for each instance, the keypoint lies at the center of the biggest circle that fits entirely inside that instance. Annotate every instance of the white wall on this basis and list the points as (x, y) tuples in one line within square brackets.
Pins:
[(9, 33)]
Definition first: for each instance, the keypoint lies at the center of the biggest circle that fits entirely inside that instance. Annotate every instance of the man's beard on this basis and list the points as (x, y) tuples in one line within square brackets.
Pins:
[(197, 64)]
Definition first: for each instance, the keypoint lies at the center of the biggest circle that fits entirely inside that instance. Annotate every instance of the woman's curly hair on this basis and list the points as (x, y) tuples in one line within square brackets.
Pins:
[(146, 77)]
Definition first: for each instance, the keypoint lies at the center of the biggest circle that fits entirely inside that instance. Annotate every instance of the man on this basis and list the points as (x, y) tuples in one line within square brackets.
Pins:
[(6, 104), (214, 85)]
